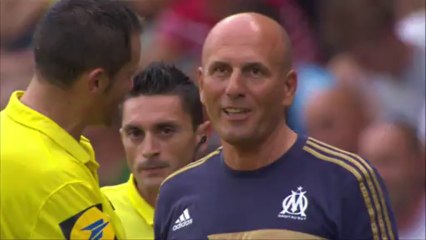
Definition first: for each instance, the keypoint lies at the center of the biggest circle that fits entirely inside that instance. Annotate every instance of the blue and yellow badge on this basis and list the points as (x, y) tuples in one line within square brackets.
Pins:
[(90, 224)]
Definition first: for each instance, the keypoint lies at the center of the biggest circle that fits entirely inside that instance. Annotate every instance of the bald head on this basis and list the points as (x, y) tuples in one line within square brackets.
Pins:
[(337, 116), (246, 66), (250, 29)]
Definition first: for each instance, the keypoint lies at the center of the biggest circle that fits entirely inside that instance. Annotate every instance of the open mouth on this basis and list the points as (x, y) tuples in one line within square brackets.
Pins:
[(233, 110)]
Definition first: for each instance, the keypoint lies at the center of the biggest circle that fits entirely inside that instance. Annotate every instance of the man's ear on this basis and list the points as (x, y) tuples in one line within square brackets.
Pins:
[(200, 81), (290, 86), (98, 80), (203, 131)]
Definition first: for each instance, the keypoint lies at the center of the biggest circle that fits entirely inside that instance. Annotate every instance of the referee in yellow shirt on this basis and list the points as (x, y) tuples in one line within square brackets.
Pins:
[(162, 130), (86, 52)]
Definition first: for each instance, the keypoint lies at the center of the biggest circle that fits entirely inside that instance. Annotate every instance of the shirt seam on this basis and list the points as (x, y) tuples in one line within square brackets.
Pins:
[(49, 197)]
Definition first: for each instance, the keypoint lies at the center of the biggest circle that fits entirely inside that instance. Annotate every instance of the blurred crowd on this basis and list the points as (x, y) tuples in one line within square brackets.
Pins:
[(361, 77)]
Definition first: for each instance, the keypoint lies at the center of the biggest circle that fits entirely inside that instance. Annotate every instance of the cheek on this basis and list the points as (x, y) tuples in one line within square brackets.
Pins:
[(268, 99), (131, 153), (212, 89), (180, 151)]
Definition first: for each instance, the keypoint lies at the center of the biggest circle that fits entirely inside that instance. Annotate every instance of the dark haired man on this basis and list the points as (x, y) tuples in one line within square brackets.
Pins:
[(162, 130), (86, 53)]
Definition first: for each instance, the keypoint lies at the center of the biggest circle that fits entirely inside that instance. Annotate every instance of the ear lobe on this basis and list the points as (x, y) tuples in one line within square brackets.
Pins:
[(203, 130), (98, 80)]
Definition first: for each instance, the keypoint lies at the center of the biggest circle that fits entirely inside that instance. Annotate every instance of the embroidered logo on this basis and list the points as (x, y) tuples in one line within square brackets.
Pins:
[(295, 205), (183, 220)]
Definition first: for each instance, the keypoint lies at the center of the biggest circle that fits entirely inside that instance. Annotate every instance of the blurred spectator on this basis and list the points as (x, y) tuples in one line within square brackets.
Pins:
[(180, 29), (149, 9), (17, 22), (16, 70), (394, 149), (337, 116), (312, 79), (411, 24), (364, 30)]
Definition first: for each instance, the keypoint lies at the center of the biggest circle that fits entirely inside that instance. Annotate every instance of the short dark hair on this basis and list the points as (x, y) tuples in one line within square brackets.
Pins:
[(159, 78), (76, 35)]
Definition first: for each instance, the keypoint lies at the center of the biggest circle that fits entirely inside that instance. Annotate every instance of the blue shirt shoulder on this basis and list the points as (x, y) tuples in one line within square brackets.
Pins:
[(312, 191)]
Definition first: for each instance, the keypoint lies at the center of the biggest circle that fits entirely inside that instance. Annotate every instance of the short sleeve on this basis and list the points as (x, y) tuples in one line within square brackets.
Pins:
[(74, 211)]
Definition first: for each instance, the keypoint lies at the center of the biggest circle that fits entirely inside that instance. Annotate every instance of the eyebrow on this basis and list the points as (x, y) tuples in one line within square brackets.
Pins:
[(254, 64), (244, 65), (158, 125), (130, 126), (217, 63), (164, 124)]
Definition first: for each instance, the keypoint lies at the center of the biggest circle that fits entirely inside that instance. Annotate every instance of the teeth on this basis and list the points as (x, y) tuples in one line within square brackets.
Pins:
[(234, 110)]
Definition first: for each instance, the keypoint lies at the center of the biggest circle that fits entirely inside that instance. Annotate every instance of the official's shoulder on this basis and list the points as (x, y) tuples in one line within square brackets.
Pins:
[(186, 171)]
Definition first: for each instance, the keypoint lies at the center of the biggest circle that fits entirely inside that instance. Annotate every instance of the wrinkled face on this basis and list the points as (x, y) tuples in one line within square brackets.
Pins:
[(158, 137), (386, 148), (121, 84), (243, 87)]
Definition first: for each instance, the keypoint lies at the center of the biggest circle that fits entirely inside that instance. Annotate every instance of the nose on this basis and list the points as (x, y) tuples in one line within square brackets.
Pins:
[(150, 147), (235, 85)]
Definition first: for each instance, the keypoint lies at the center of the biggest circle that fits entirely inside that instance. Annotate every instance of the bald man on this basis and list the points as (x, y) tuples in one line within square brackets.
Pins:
[(266, 182), (337, 116)]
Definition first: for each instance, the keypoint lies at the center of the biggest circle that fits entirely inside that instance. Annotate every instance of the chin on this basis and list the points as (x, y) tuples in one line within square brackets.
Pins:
[(153, 183), (238, 139)]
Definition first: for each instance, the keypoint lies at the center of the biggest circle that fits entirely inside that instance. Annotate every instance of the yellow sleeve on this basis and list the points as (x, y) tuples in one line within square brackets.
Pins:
[(75, 211)]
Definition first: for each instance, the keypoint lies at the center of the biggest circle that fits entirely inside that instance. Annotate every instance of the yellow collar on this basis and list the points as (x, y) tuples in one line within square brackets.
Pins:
[(139, 203), (24, 115)]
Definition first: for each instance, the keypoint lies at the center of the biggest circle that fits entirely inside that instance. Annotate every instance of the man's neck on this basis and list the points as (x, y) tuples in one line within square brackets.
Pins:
[(261, 154), (149, 195), (56, 104)]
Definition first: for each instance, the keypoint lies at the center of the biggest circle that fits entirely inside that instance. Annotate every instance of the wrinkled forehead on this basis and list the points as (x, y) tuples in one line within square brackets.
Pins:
[(242, 40), (239, 47)]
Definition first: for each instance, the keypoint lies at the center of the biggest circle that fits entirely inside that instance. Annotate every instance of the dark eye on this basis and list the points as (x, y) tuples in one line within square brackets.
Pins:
[(220, 71), (167, 131), (256, 71), (134, 133)]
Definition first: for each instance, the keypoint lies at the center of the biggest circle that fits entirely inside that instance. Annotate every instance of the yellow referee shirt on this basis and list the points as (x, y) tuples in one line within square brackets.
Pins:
[(48, 183), (135, 213)]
